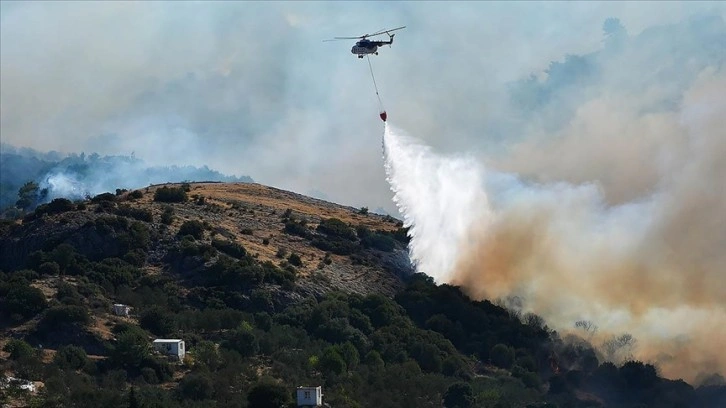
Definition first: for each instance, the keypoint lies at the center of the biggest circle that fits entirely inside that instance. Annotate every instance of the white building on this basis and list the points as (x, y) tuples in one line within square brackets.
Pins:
[(310, 396), (171, 347), (121, 310)]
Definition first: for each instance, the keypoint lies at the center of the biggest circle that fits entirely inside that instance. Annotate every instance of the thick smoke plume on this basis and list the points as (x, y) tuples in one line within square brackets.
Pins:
[(250, 88), (651, 265)]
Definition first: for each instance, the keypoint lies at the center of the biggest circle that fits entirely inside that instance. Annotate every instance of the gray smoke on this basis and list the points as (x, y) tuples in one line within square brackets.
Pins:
[(250, 88)]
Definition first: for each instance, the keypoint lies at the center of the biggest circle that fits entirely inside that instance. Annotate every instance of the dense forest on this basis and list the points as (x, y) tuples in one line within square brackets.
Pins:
[(252, 336)]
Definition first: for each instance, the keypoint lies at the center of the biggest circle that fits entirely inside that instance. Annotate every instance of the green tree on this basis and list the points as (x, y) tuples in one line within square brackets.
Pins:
[(267, 394), (19, 349), (133, 399), (502, 356), (196, 386), (131, 348), (206, 353), (157, 321), (374, 361), (331, 362), (29, 195), (242, 341), (70, 356), (24, 300), (350, 354), (459, 395), (63, 316)]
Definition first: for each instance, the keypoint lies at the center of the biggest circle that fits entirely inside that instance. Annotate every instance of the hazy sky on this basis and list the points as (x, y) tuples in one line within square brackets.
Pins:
[(250, 88)]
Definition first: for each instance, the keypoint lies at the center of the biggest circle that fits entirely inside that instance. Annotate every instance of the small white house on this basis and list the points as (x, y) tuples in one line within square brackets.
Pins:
[(171, 347), (310, 396), (121, 309)]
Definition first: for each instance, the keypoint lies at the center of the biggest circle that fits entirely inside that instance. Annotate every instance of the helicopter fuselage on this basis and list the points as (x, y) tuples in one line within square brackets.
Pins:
[(364, 47)]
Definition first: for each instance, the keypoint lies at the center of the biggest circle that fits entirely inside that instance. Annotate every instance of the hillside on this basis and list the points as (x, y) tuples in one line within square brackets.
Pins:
[(270, 290), (261, 219)]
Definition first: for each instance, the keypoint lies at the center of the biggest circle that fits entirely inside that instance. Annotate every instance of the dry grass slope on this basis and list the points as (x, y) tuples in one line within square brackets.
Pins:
[(251, 215)]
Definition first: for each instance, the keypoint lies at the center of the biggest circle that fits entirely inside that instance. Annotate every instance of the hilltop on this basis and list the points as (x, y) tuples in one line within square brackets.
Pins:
[(271, 224), (269, 290)]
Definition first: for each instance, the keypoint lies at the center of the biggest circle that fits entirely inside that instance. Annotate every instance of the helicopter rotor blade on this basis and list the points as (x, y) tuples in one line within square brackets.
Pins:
[(365, 35), (386, 31)]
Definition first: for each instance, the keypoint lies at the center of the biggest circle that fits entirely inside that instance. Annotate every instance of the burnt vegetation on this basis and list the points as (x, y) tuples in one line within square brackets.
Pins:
[(252, 335)]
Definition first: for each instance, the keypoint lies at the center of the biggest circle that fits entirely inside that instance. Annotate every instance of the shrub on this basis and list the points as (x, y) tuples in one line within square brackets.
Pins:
[(362, 231), (57, 206), (67, 294), (167, 217), (60, 205), (193, 228), (137, 213), (230, 248), (297, 228), (246, 231), (136, 194), (49, 268), (336, 228), (295, 260), (379, 242), (59, 316), (108, 197), (170, 195), (336, 246)]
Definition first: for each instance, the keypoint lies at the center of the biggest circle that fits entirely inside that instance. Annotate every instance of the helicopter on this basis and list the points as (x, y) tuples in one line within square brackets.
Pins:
[(365, 46)]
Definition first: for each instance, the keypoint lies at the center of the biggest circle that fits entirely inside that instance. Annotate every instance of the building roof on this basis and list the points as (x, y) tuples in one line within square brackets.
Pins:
[(167, 340)]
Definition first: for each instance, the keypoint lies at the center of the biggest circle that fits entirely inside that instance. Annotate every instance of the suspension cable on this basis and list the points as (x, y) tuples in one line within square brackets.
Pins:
[(374, 83)]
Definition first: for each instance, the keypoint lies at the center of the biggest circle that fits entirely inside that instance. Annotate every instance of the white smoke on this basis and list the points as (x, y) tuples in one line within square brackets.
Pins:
[(65, 185)]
